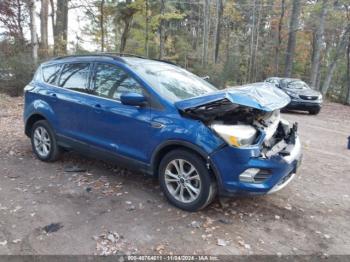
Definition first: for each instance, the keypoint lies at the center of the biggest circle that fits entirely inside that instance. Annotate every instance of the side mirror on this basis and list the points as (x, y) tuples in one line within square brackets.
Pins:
[(206, 78), (133, 99)]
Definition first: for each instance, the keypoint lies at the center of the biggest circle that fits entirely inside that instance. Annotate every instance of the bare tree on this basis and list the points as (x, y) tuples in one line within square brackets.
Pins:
[(146, 28), (102, 4), (279, 37), (61, 27), (11, 20), (251, 46), (33, 33), (315, 63), (219, 12), (126, 13), (292, 36), (338, 51), (347, 101), (255, 64), (52, 6), (348, 72), (19, 19), (44, 13), (206, 26), (161, 29)]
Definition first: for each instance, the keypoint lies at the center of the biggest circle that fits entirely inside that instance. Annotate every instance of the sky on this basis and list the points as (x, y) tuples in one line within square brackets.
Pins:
[(76, 22)]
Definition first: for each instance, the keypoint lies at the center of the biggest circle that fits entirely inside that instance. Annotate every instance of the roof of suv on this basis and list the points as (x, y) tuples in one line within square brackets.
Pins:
[(124, 58)]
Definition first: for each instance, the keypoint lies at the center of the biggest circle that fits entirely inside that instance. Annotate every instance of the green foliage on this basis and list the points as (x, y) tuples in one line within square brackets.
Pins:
[(16, 67)]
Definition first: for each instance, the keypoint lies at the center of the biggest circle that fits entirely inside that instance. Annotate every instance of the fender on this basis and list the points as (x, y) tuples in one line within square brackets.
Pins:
[(155, 159)]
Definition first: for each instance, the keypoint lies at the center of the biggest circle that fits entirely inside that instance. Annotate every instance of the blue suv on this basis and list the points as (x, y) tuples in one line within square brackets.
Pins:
[(158, 118)]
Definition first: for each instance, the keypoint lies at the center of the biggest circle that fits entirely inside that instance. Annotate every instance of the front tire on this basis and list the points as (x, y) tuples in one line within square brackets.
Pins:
[(186, 181), (44, 142), (315, 111)]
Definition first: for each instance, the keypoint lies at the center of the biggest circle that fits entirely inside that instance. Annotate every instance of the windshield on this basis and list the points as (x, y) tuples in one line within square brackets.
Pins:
[(298, 84), (172, 82)]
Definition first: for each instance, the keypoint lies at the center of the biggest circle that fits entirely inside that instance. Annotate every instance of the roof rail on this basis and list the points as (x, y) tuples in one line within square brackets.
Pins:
[(106, 54), (82, 55), (164, 61), (122, 54), (113, 55)]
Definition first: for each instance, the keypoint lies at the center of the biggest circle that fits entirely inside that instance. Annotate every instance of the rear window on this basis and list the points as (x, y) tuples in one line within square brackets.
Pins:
[(51, 73), (75, 76)]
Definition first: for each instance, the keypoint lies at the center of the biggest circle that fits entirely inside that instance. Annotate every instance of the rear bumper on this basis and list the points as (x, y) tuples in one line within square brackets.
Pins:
[(230, 162)]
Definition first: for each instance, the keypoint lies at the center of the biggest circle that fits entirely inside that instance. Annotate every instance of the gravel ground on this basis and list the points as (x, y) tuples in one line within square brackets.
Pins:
[(102, 209)]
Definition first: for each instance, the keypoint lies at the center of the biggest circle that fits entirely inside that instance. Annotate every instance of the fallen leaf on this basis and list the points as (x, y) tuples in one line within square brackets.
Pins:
[(221, 242)]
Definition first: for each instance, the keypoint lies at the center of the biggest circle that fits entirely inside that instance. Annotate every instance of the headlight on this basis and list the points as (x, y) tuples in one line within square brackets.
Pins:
[(320, 97), (292, 94), (236, 135)]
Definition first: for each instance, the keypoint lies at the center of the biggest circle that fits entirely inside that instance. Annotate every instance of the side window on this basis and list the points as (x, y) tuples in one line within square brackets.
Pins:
[(51, 73), (75, 76), (111, 81)]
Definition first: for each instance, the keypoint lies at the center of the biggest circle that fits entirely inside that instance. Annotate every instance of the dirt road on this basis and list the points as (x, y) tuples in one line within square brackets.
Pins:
[(103, 209)]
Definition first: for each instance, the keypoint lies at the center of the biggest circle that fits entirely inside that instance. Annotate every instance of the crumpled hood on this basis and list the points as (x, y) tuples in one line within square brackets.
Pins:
[(263, 96)]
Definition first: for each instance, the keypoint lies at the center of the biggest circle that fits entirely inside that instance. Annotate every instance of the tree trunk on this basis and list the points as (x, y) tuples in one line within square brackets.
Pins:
[(52, 5), (279, 38), (219, 11), (33, 33), (44, 13), (255, 64), (251, 47), (125, 34), (161, 30), (61, 27), (348, 73), (146, 28), (315, 63), (293, 28), (339, 49), (206, 32), (19, 22), (102, 25)]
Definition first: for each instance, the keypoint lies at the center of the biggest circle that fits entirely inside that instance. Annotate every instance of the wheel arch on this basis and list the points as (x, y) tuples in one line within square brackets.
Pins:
[(31, 121), (170, 145)]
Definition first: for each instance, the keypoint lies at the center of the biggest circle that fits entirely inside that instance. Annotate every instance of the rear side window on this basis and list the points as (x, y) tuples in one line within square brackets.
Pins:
[(75, 76), (51, 73)]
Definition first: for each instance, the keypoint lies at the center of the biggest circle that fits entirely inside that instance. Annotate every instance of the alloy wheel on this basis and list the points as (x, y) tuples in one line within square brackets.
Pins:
[(182, 180), (42, 141)]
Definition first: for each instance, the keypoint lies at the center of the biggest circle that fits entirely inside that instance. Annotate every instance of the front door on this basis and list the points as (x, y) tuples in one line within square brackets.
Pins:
[(115, 127)]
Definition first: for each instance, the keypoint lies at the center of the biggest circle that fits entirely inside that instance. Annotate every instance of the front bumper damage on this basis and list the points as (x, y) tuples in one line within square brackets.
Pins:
[(276, 164)]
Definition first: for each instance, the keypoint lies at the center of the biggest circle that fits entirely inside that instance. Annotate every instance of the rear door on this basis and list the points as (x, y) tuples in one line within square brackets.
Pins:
[(72, 107), (113, 126)]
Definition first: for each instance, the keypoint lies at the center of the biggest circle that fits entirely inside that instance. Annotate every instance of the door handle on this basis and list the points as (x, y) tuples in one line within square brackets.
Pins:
[(54, 96), (155, 124), (97, 108)]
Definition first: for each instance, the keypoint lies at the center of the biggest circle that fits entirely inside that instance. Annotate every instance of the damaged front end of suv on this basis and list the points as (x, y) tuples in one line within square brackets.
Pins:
[(262, 151)]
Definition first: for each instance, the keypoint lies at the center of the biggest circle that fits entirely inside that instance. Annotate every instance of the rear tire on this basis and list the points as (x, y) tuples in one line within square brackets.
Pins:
[(186, 181), (44, 142)]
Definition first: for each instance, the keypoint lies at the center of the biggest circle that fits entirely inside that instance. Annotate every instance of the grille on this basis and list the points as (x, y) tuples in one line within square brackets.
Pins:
[(308, 97)]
